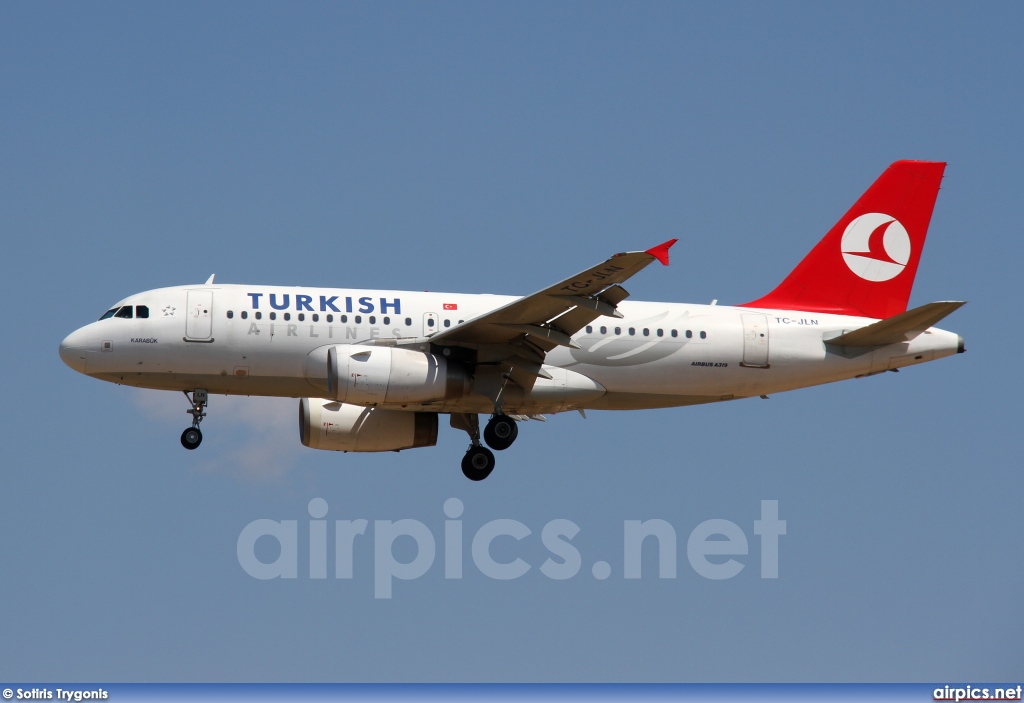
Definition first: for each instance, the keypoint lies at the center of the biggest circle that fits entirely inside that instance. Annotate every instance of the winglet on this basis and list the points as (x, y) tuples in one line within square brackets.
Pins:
[(660, 252), (210, 279)]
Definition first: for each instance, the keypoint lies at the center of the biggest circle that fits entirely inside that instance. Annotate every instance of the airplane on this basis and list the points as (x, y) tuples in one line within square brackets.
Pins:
[(374, 369)]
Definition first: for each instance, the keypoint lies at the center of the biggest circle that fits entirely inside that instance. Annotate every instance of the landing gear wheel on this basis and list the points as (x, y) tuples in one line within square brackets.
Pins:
[(191, 438), (501, 431), (478, 463)]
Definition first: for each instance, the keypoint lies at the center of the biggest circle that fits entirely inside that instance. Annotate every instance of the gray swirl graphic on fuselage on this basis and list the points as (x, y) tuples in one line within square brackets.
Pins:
[(625, 350)]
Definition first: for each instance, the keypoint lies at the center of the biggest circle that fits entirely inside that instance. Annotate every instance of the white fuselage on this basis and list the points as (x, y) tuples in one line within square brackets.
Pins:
[(262, 340)]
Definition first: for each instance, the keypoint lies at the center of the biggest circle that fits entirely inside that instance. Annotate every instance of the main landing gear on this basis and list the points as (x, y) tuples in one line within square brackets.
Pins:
[(192, 437), (499, 433), (478, 463)]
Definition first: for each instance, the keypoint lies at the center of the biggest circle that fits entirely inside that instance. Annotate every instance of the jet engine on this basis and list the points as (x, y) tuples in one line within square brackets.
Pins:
[(328, 424), (370, 375)]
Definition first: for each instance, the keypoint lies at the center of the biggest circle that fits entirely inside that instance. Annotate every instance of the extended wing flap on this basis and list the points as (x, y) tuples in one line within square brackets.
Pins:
[(523, 372), (898, 328)]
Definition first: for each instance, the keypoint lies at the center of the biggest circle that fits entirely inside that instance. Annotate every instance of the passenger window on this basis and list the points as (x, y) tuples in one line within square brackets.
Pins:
[(230, 314), (259, 315), (618, 330), (689, 334), (273, 316), (142, 312), (344, 318), (109, 313), (604, 330), (359, 319), (447, 323), (373, 320), (632, 331), (302, 316), (675, 333), (647, 332), (287, 316), (330, 317), (408, 322), (316, 318), (125, 312), (590, 330), (387, 320), (245, 315), (430, 322), (703, 335), (661, 333)]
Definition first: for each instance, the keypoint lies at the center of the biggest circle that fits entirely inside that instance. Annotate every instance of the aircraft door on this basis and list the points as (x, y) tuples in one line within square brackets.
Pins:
[(199, 314), (430, 323), (755, 340)]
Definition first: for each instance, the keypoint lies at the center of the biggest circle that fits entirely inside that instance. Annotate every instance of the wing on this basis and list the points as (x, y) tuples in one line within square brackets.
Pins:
[(536, 324)]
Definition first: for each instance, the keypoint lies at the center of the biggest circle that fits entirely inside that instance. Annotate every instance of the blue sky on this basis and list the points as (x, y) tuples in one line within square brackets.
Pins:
[(486, 147)]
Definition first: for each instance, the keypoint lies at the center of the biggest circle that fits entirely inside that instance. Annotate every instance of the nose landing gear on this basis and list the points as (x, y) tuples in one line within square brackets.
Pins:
[(192, 437)]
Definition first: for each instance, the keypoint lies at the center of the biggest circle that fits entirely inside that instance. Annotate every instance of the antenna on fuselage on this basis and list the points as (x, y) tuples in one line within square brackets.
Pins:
[(210, 279)]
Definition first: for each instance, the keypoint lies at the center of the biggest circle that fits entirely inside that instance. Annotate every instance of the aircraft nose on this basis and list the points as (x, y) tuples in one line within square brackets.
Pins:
[(72, 352)]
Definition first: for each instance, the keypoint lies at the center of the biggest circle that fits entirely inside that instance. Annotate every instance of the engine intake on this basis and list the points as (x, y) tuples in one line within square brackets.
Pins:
[(368, 375), (328, 424)]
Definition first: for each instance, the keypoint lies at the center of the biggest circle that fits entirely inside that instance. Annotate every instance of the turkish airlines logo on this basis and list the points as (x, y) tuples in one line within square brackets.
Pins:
[(876, 247)]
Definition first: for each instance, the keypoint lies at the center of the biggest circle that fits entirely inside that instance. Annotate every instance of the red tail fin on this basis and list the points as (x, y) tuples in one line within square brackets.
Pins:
[(866, 263)]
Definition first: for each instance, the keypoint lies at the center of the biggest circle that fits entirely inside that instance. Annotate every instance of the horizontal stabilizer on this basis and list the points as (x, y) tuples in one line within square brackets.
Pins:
[(899, 328)]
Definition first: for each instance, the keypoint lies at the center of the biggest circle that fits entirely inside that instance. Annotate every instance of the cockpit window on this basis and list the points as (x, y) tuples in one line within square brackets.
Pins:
[(142, 311), (125, 312), (109, 313)]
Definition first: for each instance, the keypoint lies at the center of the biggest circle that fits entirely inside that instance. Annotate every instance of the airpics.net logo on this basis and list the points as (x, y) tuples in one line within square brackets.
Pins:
[(876, 247), (716, 549)]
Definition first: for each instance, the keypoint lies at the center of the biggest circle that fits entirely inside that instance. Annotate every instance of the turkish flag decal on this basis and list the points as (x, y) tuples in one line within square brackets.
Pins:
[(451, 306)]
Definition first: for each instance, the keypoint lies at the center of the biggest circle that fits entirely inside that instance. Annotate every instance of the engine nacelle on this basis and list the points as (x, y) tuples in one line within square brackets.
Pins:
[(367, 375), (328, 424)]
